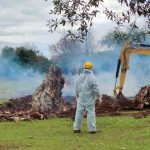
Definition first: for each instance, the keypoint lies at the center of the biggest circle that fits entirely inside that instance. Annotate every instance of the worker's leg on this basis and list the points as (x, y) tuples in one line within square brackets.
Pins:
[(91, 120), (78, 117)]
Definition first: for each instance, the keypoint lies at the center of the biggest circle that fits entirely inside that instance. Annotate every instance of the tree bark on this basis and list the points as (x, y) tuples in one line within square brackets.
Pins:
[(47, 96)]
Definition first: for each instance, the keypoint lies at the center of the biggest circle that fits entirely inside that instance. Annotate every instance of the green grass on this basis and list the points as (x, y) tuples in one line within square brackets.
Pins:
[(117, 133), (3, 101)]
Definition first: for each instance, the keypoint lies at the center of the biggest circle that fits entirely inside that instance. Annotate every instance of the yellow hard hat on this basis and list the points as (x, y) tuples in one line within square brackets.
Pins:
[(88, 65)]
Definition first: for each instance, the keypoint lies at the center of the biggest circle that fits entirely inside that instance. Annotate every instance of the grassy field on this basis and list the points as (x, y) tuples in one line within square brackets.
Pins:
[(117, 133)]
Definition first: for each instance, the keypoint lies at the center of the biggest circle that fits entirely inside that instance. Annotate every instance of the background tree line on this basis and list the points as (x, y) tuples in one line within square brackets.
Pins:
[(27, 57)]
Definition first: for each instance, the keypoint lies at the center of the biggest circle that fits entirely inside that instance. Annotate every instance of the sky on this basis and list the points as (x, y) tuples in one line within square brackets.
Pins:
[(24, 22)]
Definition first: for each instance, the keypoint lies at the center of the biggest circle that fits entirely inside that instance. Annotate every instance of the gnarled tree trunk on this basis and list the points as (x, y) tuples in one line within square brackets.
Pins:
[(47, 96)]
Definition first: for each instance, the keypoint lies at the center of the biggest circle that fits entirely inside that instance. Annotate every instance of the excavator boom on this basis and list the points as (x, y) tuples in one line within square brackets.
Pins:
[(123, 62)]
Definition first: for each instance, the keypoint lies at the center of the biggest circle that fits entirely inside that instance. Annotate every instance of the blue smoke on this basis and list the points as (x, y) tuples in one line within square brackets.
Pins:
[(104, 66), (16, 81), (10, 70)]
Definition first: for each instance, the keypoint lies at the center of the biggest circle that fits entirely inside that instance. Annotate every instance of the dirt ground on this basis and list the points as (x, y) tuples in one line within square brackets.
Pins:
[(21, 108)]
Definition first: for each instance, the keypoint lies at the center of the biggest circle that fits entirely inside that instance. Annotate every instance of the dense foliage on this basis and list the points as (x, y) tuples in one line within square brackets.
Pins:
[(131, 35), (79, 14), (27, 57)]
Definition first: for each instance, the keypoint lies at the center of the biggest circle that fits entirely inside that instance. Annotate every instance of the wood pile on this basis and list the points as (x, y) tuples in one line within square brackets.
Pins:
[(21, 116), (47, 102), (143, 97), (108, 106), (20, 110)]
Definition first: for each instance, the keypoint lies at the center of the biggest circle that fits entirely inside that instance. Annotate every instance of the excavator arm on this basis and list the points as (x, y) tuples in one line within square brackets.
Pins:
[(123, 62)]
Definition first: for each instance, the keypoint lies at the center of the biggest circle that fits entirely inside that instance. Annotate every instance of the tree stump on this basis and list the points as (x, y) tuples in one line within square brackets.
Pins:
[(47, 97)]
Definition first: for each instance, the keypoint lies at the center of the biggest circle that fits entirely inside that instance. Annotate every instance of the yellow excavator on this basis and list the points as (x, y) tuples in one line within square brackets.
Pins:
[(123, 62)]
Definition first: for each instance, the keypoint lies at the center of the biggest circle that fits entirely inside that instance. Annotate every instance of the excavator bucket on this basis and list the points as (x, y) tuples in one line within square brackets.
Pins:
[(120, 96)]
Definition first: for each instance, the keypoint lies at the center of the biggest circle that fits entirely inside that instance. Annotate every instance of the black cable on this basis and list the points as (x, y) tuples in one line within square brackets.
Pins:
[(144, 45)]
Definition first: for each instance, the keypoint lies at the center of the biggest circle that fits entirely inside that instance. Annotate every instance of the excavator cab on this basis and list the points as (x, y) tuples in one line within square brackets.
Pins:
[(123, 63)]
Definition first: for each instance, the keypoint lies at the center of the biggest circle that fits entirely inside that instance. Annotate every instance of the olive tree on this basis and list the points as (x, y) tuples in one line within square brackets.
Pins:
[(79, 14)]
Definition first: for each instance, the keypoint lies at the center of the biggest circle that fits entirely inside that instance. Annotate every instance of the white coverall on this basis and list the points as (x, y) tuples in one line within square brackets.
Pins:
[(86, 92)]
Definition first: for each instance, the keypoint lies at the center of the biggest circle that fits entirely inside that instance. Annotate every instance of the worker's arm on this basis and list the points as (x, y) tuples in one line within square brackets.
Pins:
[(96, 90), (76, 90)]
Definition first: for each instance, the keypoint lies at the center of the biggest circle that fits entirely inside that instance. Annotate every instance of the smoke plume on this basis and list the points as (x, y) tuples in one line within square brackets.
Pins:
[(104, 67), (16, 81)]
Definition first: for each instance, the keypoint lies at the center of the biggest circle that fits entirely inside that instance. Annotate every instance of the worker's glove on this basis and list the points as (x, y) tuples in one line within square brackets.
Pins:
[(97, 101), (100, 98)]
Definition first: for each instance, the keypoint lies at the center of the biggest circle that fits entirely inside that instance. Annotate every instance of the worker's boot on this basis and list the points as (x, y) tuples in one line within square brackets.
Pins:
[(92, 132), (76, 131)]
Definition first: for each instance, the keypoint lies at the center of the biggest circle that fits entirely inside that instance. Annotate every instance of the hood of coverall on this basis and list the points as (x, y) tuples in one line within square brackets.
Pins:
[(87, 71)]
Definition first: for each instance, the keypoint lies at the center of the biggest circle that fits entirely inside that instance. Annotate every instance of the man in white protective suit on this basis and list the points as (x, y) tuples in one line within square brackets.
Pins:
[(87, 93)]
